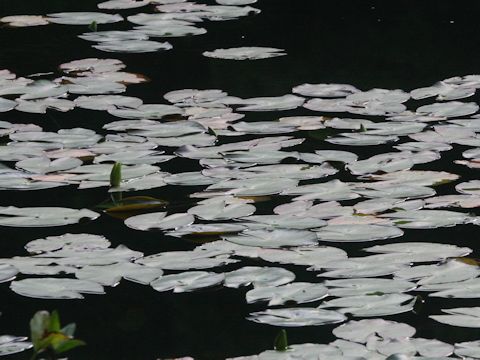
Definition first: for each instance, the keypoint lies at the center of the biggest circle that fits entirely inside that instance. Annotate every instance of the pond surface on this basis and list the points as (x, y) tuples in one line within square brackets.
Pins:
[(366, 44)]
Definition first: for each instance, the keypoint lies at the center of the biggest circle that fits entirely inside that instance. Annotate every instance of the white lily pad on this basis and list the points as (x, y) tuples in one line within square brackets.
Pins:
[(463, 317), (371, 305), (13, 345), (297, 292), (361, 330), (258, 277), (296, 317), (159, 221), (354, 287), (55, 288), (43, 216), (133, 46), (83, 18), (110, 275), (245, 53), (273, 238), (69, 242), (357, 233), (187, 281)]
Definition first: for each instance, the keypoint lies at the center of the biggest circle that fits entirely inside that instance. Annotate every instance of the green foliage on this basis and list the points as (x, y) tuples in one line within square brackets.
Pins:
[(93, 26), (48, 337), (281, 341), (362, 128), (116, 175)]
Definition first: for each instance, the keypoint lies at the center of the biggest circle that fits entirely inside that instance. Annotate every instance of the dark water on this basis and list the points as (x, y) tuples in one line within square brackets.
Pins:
[(401, 44)]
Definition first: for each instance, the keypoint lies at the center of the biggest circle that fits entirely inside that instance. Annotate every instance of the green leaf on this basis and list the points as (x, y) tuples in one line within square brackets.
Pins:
[(93, 26), (281, 341), (69, 330), (38, 327), (375, 293), (418, 305), (67, 345), (362, 128), (211, 131), (54, 325), (116, 175)]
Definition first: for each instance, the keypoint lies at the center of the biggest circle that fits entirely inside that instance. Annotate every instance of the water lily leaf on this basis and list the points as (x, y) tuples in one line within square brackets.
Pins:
[(361, 330), (43, 165), (107, 102), (24, 20), (279, 103), (354, 233), (325, 90), (133, 46), (295, 317), (147, 111), (68, 242), (84, 67), (259, 277), (449, 109), (222, 211), (273, 238), (43, 216), (7, 272), (83, 18), (354, 287), (245, 53), (185, 260), (304, 122), (360, 139), (470, 187), (209, 229), (449, 272), (159, 220), (284, 221), (315, 257), (122, 4), (187, 281), (7, 105), (421, 251), (361, 267), (278, 295), (426, 219), (463, 317), (55, 288), (172, 30), (110, 275), (13, 345), (331, 190), (468, 349), (371, 305), (235, 2)]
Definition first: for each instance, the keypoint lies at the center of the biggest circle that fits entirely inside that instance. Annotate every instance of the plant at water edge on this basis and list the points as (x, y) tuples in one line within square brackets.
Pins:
[(281, 341), (49, 338)]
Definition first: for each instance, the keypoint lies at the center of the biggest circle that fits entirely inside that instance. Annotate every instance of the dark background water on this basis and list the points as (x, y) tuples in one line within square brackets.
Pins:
[(389, 44)]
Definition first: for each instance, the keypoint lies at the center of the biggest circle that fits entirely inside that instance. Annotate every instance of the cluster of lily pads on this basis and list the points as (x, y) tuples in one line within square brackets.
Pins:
[(175, 18), (317, 211), (374, 339)]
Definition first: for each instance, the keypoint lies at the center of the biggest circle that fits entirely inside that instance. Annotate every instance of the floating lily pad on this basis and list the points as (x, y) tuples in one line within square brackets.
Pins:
[(259, 277), (43, 216), (245, 53), (296, 317), (55, 288), (187, 281), (295, 292)]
